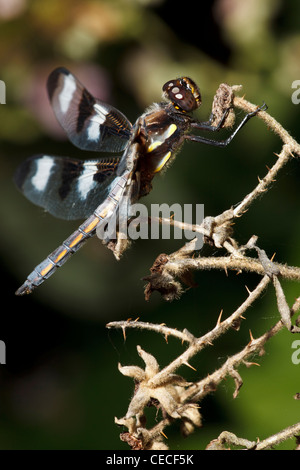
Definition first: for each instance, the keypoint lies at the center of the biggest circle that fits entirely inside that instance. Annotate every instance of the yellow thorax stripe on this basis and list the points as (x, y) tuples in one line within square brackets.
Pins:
[(162, 162), (156, 143)]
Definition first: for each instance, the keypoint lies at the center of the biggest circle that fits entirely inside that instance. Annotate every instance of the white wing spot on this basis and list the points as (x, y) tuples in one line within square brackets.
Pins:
[(93, 130), (42, 174), (101, 113), (86, 181), (66, 94), (99, 118)]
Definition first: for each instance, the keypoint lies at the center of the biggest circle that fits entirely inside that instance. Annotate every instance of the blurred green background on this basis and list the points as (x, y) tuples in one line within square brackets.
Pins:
[(61, 388)]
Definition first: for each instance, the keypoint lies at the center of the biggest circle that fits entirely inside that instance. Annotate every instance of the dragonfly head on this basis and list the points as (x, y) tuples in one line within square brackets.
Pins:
[(183, 93)]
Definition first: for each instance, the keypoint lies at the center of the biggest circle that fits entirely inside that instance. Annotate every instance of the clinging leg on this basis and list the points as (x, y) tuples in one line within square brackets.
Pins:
[(207, 126)]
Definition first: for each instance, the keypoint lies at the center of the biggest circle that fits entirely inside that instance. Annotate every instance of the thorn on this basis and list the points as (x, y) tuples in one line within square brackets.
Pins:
[(161, 432), (248, 290), (277, 155), (226, 272), (273, 256), (259, 180), (267, 168), (166, 337), (251, 336), (162, 324), (189, 365), (124, 332), (129, 320), (243, 318), (195, 405), (219, 318), (242, 213), (137, 319)]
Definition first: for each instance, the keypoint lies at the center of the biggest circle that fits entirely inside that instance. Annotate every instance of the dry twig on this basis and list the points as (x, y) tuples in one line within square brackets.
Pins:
[(163, 389)]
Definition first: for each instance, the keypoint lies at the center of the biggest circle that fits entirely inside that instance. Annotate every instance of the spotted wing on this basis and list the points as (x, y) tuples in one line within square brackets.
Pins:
[(65, 187), (89, 123)]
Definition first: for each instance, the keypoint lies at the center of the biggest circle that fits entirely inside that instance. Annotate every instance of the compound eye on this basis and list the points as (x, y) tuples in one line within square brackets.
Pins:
[(174, 91), (182, 94), (177, 93)]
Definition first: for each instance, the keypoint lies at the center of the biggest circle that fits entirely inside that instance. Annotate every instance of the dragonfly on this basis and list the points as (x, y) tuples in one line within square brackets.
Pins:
[(93, 190)]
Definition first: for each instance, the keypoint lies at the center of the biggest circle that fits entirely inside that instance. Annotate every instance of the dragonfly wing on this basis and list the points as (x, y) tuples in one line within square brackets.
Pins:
[(66, 187), (89, 123)]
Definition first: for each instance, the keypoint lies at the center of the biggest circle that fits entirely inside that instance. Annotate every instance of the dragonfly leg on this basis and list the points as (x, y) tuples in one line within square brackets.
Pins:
[(222, 143), (207, 125)]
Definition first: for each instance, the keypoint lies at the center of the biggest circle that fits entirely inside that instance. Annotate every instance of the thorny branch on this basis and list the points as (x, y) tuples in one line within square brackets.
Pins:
[(230, 439), (163, 389)]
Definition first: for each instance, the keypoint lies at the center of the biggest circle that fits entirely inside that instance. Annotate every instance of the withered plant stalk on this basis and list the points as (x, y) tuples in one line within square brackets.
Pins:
[(169, 392)]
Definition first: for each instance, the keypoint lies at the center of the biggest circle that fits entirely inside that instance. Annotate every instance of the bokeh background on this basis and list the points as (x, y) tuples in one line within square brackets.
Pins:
[(61, 388)]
